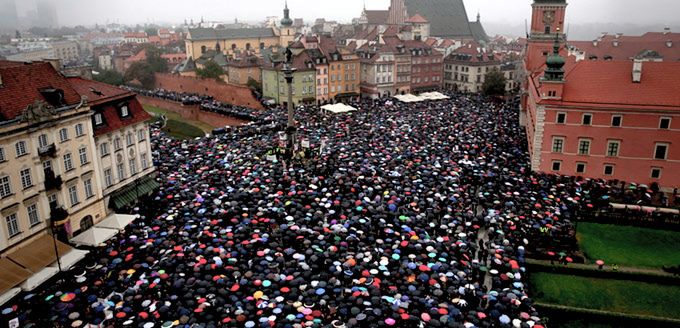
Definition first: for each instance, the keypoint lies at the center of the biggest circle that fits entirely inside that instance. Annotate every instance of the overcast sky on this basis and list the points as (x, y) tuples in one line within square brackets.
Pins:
[(86, 12)]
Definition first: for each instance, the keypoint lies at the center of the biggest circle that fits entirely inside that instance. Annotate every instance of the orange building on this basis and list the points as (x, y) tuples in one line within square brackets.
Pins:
[(344, 74)]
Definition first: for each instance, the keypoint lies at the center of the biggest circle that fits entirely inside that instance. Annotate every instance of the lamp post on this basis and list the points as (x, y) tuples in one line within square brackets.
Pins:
[(56, 249), (290, 128)]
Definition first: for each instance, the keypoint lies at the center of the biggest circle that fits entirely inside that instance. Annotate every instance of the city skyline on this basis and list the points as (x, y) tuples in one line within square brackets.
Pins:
[(78, 12)]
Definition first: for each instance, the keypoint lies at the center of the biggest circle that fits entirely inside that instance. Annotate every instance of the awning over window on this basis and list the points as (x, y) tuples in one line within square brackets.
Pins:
[(70, 259), (39, 253), (11, 275), (128, 194)]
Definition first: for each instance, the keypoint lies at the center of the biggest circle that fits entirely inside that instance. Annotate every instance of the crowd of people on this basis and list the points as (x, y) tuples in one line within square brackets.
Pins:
[(406, 215), (207, 103)]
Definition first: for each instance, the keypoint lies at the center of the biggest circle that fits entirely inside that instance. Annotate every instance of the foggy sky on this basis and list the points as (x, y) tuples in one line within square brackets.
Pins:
[(89, 12)]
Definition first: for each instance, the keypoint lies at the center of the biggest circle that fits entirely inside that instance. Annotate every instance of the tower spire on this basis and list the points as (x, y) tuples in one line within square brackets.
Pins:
[(555, 63), (478, 16)]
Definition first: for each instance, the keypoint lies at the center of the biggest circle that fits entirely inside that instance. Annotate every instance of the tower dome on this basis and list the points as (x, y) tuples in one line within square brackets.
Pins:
[(286, 21)]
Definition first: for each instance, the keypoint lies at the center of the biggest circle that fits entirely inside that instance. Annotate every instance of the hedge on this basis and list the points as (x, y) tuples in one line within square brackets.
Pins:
[(589, 270), (616, 319)]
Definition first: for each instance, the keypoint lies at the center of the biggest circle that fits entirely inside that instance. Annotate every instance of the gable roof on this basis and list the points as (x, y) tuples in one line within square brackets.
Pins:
[(447, 18), (226, 34), (377, 17), (417, 19), (106, 100), (626, 47), (478, 32), (21, 85)]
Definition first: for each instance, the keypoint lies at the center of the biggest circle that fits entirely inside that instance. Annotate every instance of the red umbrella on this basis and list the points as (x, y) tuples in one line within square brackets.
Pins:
[(599, 262), (551, 253), (569, 259)]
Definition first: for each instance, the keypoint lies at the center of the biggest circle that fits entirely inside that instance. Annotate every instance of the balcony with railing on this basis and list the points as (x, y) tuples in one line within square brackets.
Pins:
[(48, 151), (52, 181)]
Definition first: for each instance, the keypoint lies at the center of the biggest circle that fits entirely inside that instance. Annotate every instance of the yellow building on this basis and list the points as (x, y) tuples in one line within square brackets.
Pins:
[(230, 41)]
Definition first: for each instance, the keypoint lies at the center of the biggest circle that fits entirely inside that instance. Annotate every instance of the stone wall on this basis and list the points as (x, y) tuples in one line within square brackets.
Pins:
[(191, 112), (227, 93)]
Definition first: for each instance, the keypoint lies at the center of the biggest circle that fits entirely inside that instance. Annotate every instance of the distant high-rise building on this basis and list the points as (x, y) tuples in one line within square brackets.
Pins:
[(47, 14), (8, 15)]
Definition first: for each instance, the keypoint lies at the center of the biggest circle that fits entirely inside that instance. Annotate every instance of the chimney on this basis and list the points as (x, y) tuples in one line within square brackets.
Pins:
[(595, 42), (666, 30), (669, 44), (615, 43), (637, 71), (618, 35)]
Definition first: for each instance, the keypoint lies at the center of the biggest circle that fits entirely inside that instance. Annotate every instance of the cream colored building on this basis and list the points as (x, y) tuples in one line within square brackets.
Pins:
[(47, 155), (229, 41)]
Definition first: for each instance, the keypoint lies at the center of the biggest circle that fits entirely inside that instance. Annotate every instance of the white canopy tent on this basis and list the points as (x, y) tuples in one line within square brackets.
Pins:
[(9, 294), (38, 278), (116, 221), (70, 259), (94, 236), (338, 108), (409, 98)]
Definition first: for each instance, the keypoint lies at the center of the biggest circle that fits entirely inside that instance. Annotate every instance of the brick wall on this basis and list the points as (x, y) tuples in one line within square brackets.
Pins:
[(191, 112), (227, 93)]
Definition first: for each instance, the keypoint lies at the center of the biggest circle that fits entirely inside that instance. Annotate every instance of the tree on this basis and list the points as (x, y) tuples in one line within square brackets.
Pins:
[(157, 63), (253, 84), (110, 77), (494, 83), (142, 72), (211, 70)]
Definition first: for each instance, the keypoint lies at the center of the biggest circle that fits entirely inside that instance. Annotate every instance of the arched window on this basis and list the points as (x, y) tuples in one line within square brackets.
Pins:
[(233, 46), (247, 46), (86, 223), (203, 49), (547, 29)]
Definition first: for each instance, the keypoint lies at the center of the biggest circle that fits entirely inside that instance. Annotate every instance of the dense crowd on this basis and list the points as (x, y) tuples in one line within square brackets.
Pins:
[(205, 102), (406, 215)]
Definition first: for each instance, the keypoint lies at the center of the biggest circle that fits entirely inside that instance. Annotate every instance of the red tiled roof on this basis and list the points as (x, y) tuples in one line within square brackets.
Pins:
[(104, 97), (377, 17), (21, 84), (629, 46), (610, 82), (417, 19)]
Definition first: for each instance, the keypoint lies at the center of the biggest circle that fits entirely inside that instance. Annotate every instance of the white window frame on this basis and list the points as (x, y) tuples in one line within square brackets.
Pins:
[(144, 160), (68, 162), (120, 169), (141, 135), (604, 169), (43, 141), (108, 177), (104, 149), (651, 172), (620, 121), (618, 147), (73, 195), (129, 139), (124, 111), (63, 135), (554, 139), (552, 166), (578, 150), (98, 119), (26, 178), (583, 118), (33, 214), (2, 154), (12, 223), (5, 186), (89, 191), (21, 148), (133, 166), (670, 121), (585, 167), (80, 130), (117, 145), (665, 155)]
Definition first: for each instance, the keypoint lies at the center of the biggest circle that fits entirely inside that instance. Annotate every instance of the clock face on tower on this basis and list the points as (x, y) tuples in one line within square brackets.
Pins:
[(548, 16)]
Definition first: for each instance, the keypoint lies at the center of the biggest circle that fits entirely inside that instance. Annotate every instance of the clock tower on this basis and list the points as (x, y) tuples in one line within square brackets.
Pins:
[(547, 22)]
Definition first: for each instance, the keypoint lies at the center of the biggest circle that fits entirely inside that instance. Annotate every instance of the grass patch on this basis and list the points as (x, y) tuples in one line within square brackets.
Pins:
[(629, 246), (181, 130), (174, 116), (608, 294)]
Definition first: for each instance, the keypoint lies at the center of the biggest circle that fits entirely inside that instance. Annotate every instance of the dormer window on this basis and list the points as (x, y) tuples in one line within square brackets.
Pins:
[(124, 111), (98, 119)]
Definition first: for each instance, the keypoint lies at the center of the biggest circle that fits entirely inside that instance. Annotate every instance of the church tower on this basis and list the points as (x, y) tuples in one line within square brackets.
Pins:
[(287, 31), (552, 82), (397, 12), (547, 19)]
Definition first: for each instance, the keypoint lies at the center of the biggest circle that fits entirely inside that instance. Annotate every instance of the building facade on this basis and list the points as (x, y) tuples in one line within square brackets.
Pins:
[(426, 66), (465, 69), (606, 119), (48, 168), (274, 84), (377, 71)]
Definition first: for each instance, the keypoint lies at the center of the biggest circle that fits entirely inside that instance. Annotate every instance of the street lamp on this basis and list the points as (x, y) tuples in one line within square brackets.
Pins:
[(56, 249), (290, 128)]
